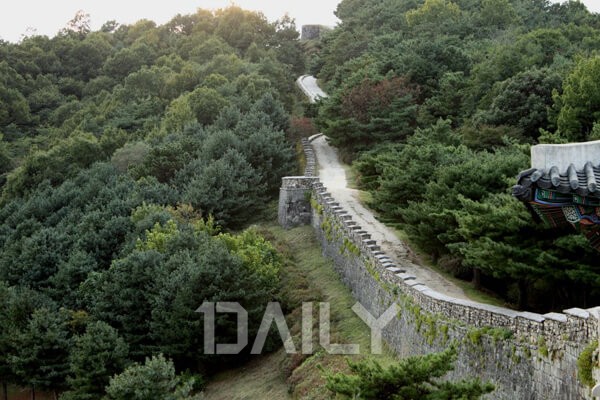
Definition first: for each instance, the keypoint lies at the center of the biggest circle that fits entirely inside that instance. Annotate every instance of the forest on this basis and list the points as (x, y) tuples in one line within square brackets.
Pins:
[(436, 104), (135, 158), (132, 161)]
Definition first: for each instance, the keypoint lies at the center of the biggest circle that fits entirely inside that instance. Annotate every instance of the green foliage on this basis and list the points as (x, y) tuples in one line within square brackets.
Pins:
[(127, 60), (178, 115), (258, 255), (182, 290), (5, 161), (467, 174), (522, 101), (156, 378), (497, 13), (586, 363), (16, 307), (165, 277), (91, 227), (130, 155), (241, 28), (411, 378), (474, 336), (493, 231), (41, 358), (370, 113), (478, 83), (55, 165), (398, 175), (192, 117), (448, 101), (97, 355), (158, 238), (542, 347), (122, 295), (578, 106), (268, 105), (229, 188), (14, 108), (164, 160), (434, 15), (205, 104)]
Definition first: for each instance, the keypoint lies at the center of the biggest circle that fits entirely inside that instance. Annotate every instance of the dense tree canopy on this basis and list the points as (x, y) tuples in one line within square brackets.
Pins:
[(134, 158), (436, 103), (127, 157)]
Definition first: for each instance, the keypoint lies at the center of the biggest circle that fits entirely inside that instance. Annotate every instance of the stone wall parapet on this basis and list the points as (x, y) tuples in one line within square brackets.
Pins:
[(536, 356)]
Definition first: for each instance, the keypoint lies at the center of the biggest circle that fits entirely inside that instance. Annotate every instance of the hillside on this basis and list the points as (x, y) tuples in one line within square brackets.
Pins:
[(436, 103), (132, 161), (140, 165)]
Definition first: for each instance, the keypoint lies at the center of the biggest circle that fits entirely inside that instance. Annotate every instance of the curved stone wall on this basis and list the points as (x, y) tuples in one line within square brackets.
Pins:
[(527, 355)]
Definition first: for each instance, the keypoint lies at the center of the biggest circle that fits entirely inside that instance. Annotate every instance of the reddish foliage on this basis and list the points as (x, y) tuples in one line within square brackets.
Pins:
[(372, 98), (301, 127)]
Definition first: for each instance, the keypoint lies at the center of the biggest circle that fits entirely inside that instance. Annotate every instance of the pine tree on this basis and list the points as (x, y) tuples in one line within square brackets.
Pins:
[(412, 378), (97, 355), (155, 379), (42, 356)]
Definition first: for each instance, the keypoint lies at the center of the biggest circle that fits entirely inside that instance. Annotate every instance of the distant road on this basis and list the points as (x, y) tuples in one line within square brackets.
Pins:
[(308, 84), (333, 176)]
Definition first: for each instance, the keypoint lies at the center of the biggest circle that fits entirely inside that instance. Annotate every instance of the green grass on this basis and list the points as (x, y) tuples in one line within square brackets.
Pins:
[(351, 176), (311, 277), (366, 198), (585, 364), (321, 282), (261, 378), (307, 277)]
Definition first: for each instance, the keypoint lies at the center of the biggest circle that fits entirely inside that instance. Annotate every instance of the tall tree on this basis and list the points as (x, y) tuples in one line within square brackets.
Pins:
[(42, 357), (372, 112), (97, 355), (579, 104), (122, 297)]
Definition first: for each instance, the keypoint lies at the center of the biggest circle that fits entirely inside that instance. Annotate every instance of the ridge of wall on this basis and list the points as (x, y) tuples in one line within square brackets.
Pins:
[(580, 324), (294, 194), (309, 153), (527, 355)]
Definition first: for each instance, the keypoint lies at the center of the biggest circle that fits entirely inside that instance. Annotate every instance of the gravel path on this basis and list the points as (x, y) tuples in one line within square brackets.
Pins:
[(308, 84), (333, 176)]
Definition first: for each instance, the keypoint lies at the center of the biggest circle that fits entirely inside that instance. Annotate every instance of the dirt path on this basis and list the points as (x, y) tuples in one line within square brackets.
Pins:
[(333, 176), (311, 89)]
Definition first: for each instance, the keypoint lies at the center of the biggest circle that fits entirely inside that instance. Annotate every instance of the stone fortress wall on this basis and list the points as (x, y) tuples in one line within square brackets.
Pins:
[(526, 355), (295, 192), (311, 32)]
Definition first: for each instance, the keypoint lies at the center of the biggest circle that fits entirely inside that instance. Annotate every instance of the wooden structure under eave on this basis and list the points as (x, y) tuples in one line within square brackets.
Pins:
[(562, 187)]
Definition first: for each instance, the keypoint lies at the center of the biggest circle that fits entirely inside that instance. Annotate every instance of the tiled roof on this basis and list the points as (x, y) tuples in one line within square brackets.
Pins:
[(562, 188), (584, 182)]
